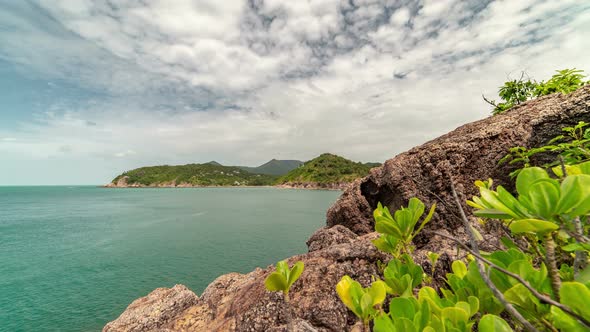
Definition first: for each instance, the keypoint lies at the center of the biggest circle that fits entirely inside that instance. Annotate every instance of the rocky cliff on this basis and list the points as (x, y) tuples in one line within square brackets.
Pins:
[(237, 302)]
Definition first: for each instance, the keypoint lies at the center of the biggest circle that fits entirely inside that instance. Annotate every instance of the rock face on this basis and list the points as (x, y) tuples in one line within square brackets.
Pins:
[(469, 153), (236, 302)]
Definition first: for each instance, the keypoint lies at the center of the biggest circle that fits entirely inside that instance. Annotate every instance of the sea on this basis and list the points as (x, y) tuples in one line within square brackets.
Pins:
[(72, 258)]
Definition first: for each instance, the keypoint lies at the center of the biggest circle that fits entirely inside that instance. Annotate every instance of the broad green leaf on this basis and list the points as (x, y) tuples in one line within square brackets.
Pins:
[(382, 323), (459, 269), (405, 221), (465, 306), (565, 322), (283, 268), (404, 324), (577, 296), (493, 202), (343, 290), (366, 304), (511, 202), (416, 207), (532, 226), (493, 323), (455, 315), (422, 319), (378, 292), (527, 176), (575, 195), (401, 307), (276, 282), (522, 297), (474, 304), (544, 196), (295, 273), (384, 226)]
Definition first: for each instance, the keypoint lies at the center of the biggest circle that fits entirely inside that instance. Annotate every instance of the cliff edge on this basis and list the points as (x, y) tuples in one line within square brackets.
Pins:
[(237, 302)]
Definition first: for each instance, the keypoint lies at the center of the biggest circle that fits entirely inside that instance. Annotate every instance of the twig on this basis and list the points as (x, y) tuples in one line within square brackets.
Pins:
[(481, 268), (541, 297)]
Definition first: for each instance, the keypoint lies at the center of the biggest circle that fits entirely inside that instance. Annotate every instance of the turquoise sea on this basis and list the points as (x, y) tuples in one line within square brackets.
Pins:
[(72, 258)]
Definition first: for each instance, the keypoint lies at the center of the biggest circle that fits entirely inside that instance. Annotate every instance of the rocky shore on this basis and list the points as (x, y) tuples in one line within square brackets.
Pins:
[(240, 302)]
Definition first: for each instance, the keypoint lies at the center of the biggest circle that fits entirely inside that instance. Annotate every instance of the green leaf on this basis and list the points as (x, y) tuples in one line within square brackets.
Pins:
[(283, 268), (565, 322), (401, 307), (493, 323), (295, 273), (366, 304), (383, 323), (575, 195), (474, 304), (276, 282), (532, 226), (492, 214), (544, 195), (459, 269), (522, 297), (527, 177), (343, 290), (576, 296), (455, 315), (378, 292), (384, 226)]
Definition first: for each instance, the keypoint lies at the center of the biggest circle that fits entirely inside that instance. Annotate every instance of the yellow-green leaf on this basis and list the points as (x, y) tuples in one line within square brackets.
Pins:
[(276, 282), (532, 226), (295, 272), (493, 323)]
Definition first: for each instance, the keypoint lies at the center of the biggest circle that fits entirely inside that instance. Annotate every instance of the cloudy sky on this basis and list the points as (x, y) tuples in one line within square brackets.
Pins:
[(90, 88)]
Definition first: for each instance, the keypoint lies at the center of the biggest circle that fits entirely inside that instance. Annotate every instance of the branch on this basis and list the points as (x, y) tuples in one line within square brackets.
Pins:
[(541, 297), (481, 268), (491, 102)]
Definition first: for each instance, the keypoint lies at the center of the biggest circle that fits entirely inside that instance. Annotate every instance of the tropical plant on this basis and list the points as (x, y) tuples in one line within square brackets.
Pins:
[(397, 232), (281, 280), (571, 148), (363, 302), (565, 81), (515, 92)]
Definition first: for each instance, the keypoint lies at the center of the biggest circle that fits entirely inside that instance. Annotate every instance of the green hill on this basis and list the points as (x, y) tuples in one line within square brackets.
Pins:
[(274, 167), (209, 174), (326, 169)]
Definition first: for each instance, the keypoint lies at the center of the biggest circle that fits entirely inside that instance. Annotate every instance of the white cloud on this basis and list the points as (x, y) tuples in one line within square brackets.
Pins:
[(240, 82)]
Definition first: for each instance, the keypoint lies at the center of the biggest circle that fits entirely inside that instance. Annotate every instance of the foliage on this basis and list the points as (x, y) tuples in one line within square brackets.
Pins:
[(208, 174), (283, 278), (274, 167), (515, 92), (397, 232), (572, 147), (363, 302), (544, 211), (326, 169), (565, 81)]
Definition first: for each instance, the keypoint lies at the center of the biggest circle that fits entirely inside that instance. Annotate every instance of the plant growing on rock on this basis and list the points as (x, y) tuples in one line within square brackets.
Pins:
[(397, 232), (363, 302), (281, 280), (515, 92)]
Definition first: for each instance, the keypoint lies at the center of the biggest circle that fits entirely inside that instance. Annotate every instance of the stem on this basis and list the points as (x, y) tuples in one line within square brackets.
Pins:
[(552, 264), (481, 268), (580, 256), (366, 327), (288, 313)]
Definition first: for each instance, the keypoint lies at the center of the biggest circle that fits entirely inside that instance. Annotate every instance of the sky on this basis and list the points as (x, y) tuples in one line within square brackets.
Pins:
[(91, 88)]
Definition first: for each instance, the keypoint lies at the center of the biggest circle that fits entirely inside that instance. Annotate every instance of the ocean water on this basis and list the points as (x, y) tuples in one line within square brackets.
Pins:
[(73, 258)]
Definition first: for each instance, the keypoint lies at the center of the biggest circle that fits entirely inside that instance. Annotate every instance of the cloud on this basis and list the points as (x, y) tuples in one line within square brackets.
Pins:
[(245, 81)]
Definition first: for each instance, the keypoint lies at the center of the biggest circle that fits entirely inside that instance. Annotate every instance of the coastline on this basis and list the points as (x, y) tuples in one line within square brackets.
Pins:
[(278, 186)]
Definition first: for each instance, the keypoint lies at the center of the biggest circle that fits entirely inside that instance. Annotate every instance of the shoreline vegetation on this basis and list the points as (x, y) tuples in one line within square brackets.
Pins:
[(326, 172)]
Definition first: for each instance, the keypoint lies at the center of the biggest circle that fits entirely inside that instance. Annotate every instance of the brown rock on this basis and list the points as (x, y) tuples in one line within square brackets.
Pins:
[(469, 153), (236, 302), (154, 311)]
